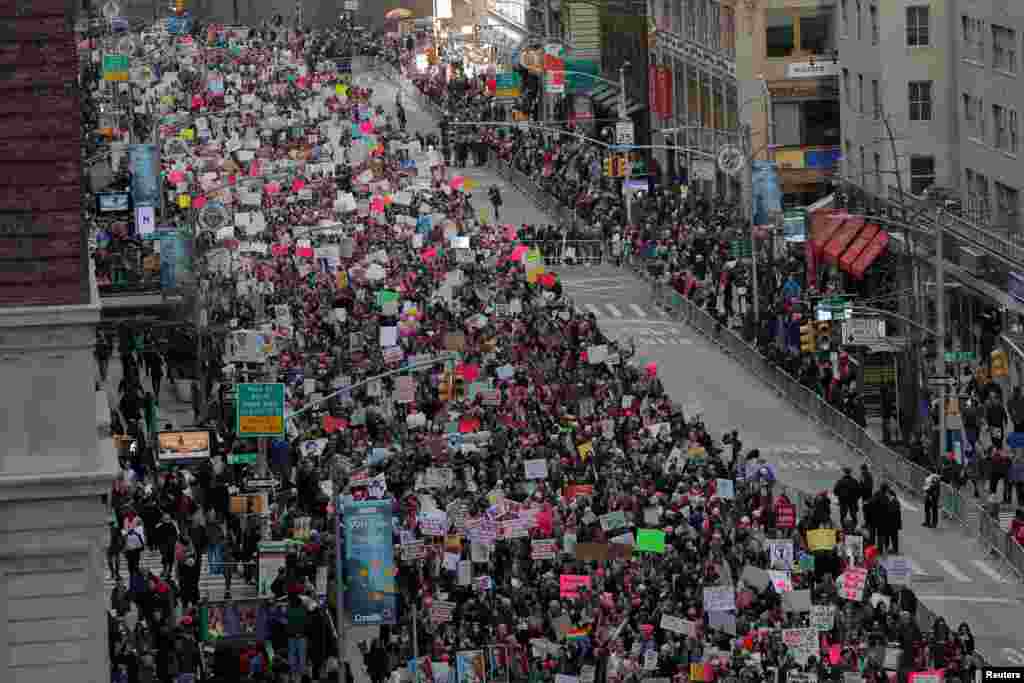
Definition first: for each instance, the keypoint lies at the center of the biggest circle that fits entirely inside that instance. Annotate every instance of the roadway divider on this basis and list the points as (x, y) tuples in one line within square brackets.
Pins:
[(887, 464)]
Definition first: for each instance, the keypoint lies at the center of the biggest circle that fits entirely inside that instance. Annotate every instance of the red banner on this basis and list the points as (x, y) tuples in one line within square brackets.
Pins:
[(664, 98), (652, 87)]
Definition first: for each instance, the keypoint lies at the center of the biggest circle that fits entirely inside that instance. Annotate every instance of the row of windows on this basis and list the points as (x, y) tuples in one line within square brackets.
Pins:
[(703, 21), (922, 169), (791, 32), (918, 23), (1004, 133), (1004, 44), (979, 201), (919, 94)]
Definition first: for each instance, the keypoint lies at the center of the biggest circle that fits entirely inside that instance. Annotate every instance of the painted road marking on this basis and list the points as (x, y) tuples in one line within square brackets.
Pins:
[(639, 311), (953, 571), (915, 568), (907, 506), (988, 571), (614, 311), (591, 308), (981, 599)]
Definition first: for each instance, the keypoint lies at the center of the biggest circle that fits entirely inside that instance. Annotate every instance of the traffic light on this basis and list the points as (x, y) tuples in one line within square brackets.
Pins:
[(823, 334), (444, 390), (179, 7), (460, 389), (807, 338), (608, 167)]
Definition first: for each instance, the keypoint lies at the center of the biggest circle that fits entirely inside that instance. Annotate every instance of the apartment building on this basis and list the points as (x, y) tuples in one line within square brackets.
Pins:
[(695, 44), (989, 35), (787, 67), (931, 94)]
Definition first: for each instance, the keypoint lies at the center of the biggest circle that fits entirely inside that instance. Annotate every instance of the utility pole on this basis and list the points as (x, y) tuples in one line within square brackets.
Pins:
[(547, 39), (940, 325), (622, 119)]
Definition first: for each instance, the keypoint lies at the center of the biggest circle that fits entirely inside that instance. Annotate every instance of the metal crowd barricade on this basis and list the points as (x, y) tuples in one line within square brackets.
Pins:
[(888, 465)]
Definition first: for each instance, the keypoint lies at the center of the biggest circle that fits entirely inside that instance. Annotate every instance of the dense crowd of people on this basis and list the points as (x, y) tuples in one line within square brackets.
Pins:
[(555, 512)]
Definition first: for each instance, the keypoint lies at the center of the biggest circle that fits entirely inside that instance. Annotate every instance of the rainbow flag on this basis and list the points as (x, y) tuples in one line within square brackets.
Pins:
[(577, 634)]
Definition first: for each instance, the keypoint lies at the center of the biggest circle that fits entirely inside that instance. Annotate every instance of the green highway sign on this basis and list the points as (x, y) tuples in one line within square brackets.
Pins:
[(960, 356), (260, 410), (242, 458)]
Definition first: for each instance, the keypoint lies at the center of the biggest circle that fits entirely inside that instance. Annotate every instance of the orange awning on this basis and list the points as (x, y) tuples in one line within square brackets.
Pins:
[(842, 238), (858, 246), (870, 253), (823, 226)]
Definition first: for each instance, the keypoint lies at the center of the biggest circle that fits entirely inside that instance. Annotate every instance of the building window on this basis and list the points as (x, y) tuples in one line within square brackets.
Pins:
[(860, 93), (977, 198), (979, 108), (859, 23), (1004, 49), (1000, 138), (876, 100), (816, 30), (970, 116), (1007, 207), (779, 33), (873, 11), (1012, 130), (715, 27), (920, 100), (845, 20), (917, 26), (973, 38), (846, 88), (922, 174)]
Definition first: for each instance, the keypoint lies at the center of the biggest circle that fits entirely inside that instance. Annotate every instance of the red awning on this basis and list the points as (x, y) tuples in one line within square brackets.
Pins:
[(858, 246), (842, 238), (870, 253), (823, 224)]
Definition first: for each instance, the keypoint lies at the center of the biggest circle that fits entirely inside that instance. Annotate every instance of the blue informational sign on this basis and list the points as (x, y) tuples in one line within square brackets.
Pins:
[(372, 593), (179, 25), (168, 257), (767, 195), (1015, 439), (145, 166)]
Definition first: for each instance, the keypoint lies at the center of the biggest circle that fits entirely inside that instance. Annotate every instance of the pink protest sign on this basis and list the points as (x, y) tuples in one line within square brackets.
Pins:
[(569, 585)]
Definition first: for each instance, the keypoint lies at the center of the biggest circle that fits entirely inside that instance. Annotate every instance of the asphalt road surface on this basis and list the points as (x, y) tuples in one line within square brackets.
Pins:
[(952, 575)]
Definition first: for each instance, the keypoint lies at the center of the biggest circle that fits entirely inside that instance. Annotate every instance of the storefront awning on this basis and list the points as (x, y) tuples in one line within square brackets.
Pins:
[(842, 238), (875, 249), (858, 246), (823, 226)]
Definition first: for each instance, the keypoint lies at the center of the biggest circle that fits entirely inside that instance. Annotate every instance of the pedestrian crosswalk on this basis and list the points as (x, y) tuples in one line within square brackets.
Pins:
[(611, 311), (211, 586), (650, 336)]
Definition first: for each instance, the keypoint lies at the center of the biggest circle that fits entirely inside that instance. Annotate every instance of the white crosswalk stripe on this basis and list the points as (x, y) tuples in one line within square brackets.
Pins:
[(640, 313), (988, 571), (613, 310), (210, 585), (953, 571)]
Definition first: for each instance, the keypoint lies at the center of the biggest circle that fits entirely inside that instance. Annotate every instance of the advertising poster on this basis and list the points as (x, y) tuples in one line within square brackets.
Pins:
[(271, 560), (145, 165), (183, 448), (370, 563), (470, 666)]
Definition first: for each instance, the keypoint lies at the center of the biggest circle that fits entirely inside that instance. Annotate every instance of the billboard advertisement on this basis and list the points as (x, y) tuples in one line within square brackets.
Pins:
[(144, 161), (372, 593), (183, 447)]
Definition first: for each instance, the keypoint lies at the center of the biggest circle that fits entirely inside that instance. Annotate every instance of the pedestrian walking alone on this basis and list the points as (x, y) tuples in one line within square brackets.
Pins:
[(932, 488)]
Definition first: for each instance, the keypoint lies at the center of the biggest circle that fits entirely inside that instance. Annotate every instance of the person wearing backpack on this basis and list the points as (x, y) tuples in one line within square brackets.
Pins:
[(114, 549)]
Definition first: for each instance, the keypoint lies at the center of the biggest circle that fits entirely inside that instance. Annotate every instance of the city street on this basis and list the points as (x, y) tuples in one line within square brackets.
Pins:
[(951, 576)]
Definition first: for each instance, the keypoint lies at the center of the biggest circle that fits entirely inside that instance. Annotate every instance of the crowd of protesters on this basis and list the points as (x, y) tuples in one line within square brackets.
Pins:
[(556, 512)]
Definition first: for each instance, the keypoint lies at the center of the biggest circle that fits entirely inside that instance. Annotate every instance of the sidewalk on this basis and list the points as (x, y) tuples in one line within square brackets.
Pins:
[(169, 408)]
